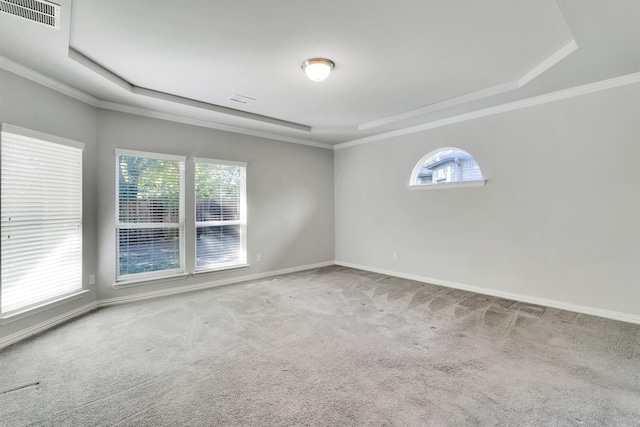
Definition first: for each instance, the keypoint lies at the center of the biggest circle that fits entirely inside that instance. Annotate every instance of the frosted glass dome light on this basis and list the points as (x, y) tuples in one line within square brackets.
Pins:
[(317, 69)]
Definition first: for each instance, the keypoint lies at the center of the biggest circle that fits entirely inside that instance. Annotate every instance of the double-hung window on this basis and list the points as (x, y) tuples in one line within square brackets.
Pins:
[(150, 215), (221, 214), (41, 220)]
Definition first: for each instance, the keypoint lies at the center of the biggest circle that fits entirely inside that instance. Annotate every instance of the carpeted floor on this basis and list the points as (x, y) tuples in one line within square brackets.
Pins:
[(326, 347)]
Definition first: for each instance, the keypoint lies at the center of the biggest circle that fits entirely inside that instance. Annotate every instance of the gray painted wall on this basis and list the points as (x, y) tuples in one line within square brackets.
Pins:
[(289, 195), (289, 187), (546, 225), (29, 105)]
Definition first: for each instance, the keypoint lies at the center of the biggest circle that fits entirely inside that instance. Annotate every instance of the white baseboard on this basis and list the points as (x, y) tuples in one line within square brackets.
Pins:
[(207, 285), (43, 326), (593, 311)]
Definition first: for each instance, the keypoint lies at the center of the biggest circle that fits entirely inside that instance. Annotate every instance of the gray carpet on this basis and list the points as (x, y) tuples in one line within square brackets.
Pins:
[(327, 347)]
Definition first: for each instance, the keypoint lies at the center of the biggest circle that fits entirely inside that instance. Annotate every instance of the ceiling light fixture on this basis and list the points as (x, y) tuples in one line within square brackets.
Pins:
[(317, 69)]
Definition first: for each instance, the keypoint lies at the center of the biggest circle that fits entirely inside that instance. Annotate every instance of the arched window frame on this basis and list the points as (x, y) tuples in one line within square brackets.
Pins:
[(413, 185)]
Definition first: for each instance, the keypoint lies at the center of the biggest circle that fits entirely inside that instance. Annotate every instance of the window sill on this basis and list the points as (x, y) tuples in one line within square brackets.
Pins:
[(221, 269), (159, 279), (448, 185), (25, 312), (148, 280)]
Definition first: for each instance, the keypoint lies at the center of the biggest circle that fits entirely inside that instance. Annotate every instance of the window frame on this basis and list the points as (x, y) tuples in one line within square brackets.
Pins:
[(76, 290), (413, 185), (242, 222), (180, 225)]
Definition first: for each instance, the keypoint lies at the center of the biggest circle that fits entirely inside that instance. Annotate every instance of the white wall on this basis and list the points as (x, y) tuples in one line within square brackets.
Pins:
[(559, 218), (289, 195), (29, 105)]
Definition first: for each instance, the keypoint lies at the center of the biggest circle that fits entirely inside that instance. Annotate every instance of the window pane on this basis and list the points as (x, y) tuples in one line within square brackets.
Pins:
[(218, 246), (447, 165), (41, 220), (220, 215), (218, 192), (148, 190), (150, 225), (145, 250)]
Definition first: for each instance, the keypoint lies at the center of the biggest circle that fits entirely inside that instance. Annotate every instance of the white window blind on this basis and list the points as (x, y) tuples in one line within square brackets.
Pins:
[(221, 215), (41, 218), (150, 212)]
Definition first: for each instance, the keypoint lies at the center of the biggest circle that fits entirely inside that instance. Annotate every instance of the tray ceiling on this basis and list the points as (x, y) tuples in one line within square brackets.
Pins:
[(398, 63)]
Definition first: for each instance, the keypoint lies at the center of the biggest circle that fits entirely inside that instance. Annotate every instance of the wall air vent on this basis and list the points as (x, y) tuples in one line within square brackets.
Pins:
[(40, 11)]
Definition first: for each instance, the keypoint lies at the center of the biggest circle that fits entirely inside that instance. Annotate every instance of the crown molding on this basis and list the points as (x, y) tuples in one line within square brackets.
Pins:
[(176, 99), (65, 89), (508, 86), (558, 56), (205, 124), (41, 79), (99, 69), (511, 106)]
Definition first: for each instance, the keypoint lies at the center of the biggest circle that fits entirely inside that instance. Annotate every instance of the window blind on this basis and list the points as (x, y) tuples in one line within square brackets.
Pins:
[(41, 218), (220, 214), (150, 209)]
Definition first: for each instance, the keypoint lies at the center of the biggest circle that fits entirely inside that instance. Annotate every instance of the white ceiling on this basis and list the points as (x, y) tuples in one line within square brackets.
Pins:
[(399, 63)]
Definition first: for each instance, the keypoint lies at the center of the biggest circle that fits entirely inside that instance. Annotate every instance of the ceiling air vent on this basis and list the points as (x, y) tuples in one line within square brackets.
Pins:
[(40, 11), (241, 99)]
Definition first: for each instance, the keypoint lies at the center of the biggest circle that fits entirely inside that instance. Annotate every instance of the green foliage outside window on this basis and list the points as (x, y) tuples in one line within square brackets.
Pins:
[(217, 182), (144, 178)]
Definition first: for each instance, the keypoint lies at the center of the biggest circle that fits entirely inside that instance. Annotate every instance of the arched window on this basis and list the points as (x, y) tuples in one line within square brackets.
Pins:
[(449, 166)]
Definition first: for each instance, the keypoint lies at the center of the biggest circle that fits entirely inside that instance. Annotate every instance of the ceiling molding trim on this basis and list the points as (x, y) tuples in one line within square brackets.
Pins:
[(478, 94), (41, 79), (163, 96), (565, 51), (467, 97), (206, 124), (167, 97), (511, 106), (99, 69)]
